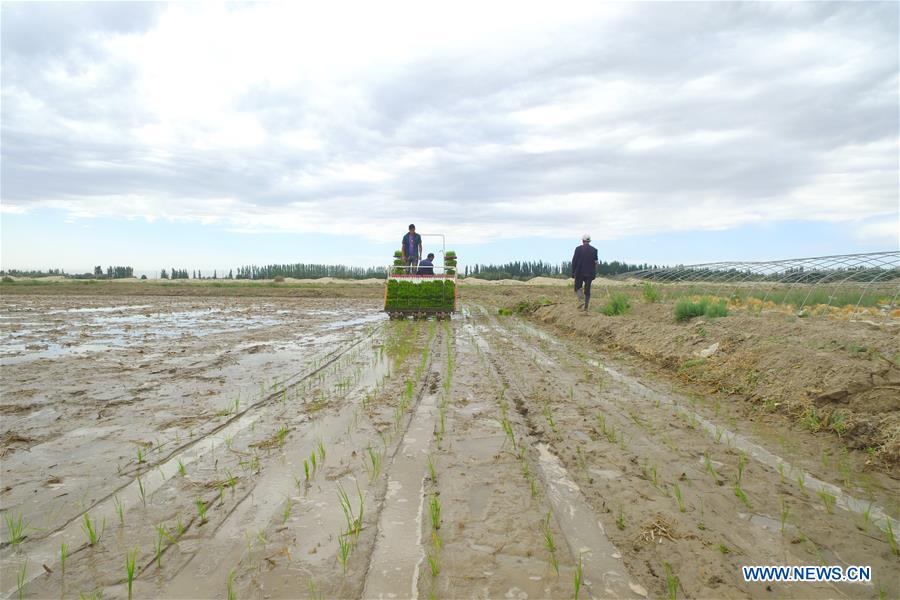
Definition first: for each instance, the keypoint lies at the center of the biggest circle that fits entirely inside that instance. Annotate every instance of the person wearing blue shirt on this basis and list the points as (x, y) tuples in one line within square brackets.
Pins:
[(426, 266), (584, 270), (411, 249)]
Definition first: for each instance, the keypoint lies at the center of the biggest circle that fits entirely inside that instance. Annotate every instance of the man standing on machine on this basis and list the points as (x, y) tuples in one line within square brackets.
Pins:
[(411, 247)]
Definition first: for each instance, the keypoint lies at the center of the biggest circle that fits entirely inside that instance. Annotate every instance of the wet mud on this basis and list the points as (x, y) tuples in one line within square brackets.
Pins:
[(309, 447)]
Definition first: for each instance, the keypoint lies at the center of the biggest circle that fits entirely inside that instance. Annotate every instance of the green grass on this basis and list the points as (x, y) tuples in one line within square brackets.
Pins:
[(686, 309), (650, 293), (618, 304)]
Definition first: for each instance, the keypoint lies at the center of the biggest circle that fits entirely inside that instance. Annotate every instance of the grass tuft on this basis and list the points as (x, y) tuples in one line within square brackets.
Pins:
[(618, 304)]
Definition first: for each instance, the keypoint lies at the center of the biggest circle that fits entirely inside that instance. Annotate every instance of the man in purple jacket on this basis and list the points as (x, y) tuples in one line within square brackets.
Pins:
[(584, 270)]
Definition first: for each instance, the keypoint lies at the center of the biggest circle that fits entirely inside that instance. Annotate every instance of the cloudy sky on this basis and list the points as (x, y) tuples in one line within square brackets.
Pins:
[(203, 135)]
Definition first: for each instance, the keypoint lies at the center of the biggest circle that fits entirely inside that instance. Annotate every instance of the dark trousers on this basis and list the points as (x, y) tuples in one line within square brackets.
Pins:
[(581, 280)]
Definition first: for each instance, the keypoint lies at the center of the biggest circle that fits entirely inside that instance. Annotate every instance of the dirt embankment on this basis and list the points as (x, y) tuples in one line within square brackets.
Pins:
[(826, 375)]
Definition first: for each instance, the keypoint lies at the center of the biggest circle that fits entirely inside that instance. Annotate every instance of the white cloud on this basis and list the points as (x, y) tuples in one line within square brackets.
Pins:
[(505, 119)]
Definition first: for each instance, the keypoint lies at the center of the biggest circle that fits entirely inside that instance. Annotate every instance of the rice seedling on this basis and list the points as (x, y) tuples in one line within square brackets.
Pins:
[(354, 524), (306, 469), (579, 576), (314, 592), (314, 461), (90, 530), (229, 586), (321, 447), (374, 465), (780, 467), (701, 524), (549, 415), (130, 559), (739, 492), (891, 539), (431, 472), (785, 512), (678, 498), (671, 582), (707, 464), (742, 462), (801, 481), (433, 563), (20, 579), (719, 432), (15, 529), (867, 515), (63, 552), (142, 492), (140, 454), (549, 542), (620, 519), (181, 469), (343, 549), (201, 509), (161, 534), (434, 509), (507, 428), (828, 500), (286, 512), (724, 549), (221, 490)]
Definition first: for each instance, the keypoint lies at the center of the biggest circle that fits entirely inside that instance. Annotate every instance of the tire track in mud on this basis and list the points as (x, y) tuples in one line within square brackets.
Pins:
[(671, 445), (157, 474), (605, 574)]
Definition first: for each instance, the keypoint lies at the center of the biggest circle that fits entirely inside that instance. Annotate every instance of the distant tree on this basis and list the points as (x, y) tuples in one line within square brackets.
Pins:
[(163, 274), (98, 270), (230, 274)]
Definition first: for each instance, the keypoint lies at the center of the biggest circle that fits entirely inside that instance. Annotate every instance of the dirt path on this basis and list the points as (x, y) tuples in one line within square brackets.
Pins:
[(482, 457)]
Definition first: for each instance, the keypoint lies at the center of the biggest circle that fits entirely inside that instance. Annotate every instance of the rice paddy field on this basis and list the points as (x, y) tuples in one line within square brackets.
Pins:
[(290, 441)]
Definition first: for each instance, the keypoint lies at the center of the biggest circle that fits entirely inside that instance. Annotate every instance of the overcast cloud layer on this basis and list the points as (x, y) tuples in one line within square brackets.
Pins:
[(482, 119)]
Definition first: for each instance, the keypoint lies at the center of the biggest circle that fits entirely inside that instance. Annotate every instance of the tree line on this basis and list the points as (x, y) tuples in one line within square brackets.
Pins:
[(523, 270)]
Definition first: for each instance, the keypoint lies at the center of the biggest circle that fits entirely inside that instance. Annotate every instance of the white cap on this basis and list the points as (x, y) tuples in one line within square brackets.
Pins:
[(586, 237)]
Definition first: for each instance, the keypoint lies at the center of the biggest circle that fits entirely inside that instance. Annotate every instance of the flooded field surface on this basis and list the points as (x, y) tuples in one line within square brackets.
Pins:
[(276, 447)]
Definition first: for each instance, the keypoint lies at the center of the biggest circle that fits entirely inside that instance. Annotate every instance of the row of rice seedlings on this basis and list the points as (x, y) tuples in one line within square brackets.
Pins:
[(549, 542), (15, 528)]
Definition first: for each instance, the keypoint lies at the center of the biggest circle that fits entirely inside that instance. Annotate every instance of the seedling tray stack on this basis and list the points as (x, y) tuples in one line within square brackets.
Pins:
[(408, 294)]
